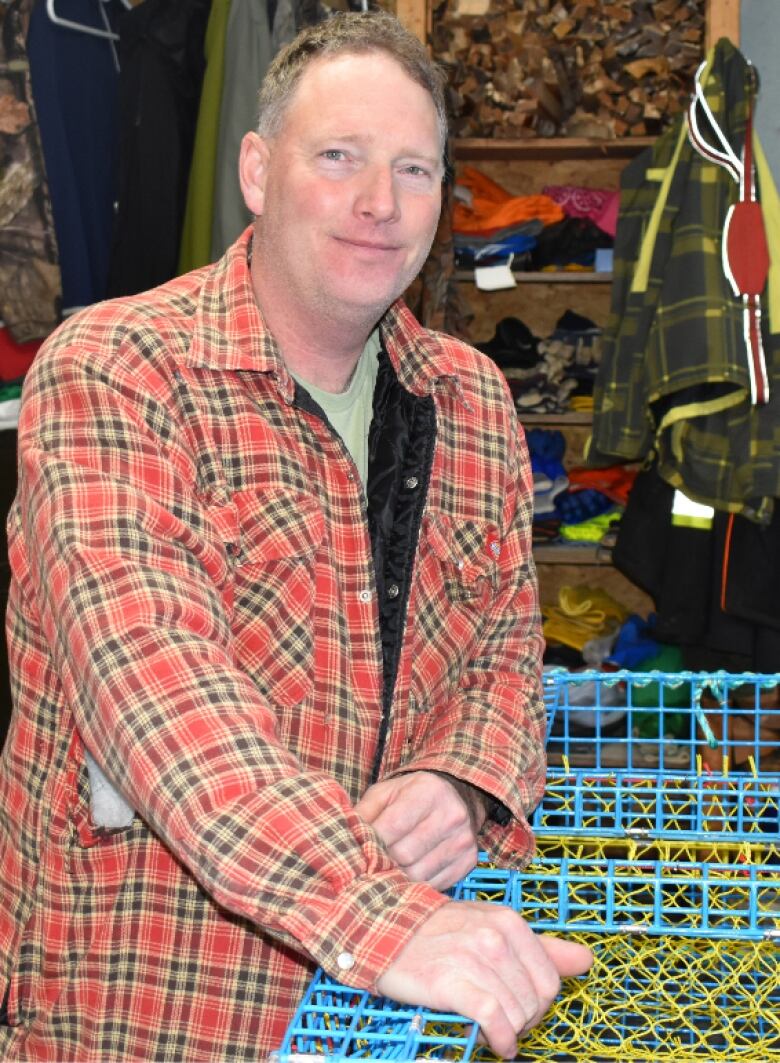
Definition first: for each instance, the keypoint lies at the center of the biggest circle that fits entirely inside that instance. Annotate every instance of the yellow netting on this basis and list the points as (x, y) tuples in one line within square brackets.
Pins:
[(664, 999), (669, 849), (659, 999), (650, 999)]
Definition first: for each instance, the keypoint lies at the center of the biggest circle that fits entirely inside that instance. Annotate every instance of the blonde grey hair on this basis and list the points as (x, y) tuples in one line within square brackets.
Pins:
[(356, 33)]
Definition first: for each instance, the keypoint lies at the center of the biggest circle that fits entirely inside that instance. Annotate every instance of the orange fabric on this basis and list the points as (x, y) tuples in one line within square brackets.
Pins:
[(494, 208), (615, 481)]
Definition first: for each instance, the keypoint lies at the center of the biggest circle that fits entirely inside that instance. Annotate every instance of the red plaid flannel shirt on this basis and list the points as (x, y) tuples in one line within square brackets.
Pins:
[(193, 600)]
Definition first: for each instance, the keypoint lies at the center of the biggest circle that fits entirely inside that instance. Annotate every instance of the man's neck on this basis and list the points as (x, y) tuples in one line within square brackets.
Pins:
[(327, 359), (319, 350)]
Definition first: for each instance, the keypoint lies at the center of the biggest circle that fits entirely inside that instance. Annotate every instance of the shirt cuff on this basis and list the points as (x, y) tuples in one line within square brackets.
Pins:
[(367, 927)]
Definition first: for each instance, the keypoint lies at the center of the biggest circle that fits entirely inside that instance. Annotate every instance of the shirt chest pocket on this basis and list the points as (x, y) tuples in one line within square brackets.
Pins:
[(274, 581), (465, 553), (456, 580)]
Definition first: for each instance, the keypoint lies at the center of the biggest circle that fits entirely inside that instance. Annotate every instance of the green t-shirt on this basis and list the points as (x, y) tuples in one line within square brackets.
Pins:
[(350, 411)]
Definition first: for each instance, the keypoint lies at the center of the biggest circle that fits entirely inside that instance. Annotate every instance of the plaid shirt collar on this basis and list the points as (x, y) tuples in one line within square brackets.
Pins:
[(230, 334)]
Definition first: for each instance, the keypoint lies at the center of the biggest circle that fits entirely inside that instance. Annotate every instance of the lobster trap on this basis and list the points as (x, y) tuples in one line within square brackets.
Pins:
[(683, 1003), (659, 848), (685, 969), (665, 758), (686, 723)]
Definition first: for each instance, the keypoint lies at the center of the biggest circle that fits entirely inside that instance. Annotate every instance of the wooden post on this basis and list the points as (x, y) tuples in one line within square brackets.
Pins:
[(414, 15), (722, 21)]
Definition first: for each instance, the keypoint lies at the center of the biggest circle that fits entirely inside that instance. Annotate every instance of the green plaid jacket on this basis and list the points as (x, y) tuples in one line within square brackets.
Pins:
[(674, 379)]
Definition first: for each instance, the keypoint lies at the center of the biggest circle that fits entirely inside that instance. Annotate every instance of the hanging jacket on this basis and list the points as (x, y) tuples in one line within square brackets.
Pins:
[(674, 376), (75, 81), (248, 53), (161, 56), (196, 229)]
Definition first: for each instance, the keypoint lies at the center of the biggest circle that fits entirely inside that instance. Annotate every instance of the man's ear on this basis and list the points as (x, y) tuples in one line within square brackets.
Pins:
[(253, 170)]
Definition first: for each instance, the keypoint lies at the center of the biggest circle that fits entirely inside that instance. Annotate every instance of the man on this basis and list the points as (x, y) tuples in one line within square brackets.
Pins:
[(265, 712)]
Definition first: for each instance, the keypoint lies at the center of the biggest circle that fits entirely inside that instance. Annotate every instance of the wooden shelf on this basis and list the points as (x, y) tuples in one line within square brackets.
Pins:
[(571, 554), (563, 276), (550, 148), (568, 419)]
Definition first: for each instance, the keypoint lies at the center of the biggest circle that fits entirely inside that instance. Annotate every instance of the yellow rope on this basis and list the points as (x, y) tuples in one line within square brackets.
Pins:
[(682, 1000)]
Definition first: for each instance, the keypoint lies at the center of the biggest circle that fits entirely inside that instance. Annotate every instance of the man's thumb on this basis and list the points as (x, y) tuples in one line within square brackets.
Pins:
[(569, 957)]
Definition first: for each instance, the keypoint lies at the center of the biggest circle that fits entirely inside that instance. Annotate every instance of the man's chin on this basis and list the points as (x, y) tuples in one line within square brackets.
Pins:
[(365, 299)]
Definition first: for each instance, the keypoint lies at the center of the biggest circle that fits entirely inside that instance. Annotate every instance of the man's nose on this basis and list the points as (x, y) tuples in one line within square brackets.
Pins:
[(377, 197)]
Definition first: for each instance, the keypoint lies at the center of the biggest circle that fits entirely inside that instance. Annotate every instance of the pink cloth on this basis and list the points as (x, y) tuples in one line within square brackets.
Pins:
[(608, 218), (579, 202), (598, 204)]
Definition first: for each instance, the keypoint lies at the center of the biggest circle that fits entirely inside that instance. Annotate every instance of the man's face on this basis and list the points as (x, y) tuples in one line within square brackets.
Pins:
[(351, 191)]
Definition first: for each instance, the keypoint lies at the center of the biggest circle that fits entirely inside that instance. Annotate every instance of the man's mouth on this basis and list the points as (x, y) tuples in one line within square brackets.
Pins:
[(367, 245)]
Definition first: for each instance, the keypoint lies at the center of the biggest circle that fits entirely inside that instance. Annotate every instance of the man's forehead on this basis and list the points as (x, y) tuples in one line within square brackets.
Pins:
[(349, 66), (347, 57)]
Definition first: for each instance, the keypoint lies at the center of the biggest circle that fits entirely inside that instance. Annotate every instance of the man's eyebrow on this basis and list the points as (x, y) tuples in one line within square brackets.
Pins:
[(432, 160), (350, 138)]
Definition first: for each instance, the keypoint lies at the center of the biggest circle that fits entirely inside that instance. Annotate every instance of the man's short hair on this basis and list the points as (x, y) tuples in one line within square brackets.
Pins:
[(357, 33)]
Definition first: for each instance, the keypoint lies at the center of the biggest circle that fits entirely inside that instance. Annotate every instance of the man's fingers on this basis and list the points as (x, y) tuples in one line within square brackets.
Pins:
[(371, 803), (425, 825), (444, 867), (391, 817), (569, 957), (392, 821), (403, 828), (499, 1014)]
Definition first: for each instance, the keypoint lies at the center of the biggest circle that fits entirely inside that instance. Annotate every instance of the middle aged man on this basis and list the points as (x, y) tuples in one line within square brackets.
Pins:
[(273, 624)]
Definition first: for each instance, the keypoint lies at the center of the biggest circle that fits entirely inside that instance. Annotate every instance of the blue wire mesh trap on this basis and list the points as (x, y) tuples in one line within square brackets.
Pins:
[(659, 806), (662, 756), (690, 723), (681, 899), (686, 961), (343, 1023), (655, 897), (686, 950), (684, 1001)]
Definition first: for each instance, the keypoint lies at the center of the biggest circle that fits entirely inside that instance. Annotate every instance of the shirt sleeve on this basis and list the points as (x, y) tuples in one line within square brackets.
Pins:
[(121, 569), (490, 733)]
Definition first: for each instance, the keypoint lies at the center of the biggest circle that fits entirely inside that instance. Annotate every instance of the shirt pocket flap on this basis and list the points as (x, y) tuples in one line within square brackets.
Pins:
[(278, 524), (471, 547)]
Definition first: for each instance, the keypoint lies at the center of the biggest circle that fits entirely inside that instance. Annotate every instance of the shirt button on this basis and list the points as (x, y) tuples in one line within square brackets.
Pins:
[(392, 590), (461, 565), (345, 961), (365, 596), (411, 482)]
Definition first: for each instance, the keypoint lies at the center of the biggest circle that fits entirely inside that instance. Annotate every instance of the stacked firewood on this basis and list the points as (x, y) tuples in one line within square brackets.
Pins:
[(577, 68)]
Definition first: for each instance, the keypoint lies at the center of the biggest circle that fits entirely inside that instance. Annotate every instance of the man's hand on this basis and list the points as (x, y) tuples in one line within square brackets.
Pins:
[(426, 826), (484, 961)]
